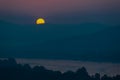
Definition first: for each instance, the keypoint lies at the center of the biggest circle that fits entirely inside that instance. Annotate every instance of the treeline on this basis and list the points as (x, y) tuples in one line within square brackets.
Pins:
[(10, 70)]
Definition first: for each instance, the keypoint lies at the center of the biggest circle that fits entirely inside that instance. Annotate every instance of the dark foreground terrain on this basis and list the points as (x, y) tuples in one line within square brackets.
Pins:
[(10, 70)]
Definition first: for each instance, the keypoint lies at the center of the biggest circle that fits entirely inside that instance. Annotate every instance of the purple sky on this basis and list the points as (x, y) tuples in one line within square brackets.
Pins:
[(61, 11)]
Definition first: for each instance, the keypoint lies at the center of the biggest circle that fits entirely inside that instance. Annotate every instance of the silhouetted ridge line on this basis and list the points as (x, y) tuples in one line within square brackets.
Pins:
[(10, 70)]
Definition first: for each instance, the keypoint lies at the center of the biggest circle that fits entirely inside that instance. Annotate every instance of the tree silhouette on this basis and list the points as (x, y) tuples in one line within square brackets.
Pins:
[(82, 74), (10, 70)]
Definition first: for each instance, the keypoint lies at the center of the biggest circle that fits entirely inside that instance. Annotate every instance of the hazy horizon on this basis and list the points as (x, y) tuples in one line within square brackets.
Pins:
[(102, 68)]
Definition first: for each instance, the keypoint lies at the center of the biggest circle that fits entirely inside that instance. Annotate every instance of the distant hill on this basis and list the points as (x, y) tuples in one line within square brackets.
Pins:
[(89, 41), (101, 46)]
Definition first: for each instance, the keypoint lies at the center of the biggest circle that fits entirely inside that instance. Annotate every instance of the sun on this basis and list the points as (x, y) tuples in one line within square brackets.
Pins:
[(40, 21)]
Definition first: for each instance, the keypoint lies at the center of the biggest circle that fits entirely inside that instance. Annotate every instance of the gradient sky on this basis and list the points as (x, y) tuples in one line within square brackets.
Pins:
[(76, 29), (61, 11)]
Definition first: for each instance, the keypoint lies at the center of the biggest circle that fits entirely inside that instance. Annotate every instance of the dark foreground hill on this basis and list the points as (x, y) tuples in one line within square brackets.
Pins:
[(10, 70)]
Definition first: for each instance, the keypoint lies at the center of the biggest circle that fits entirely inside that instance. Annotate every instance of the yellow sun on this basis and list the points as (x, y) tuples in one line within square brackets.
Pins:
[(40, 21)]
